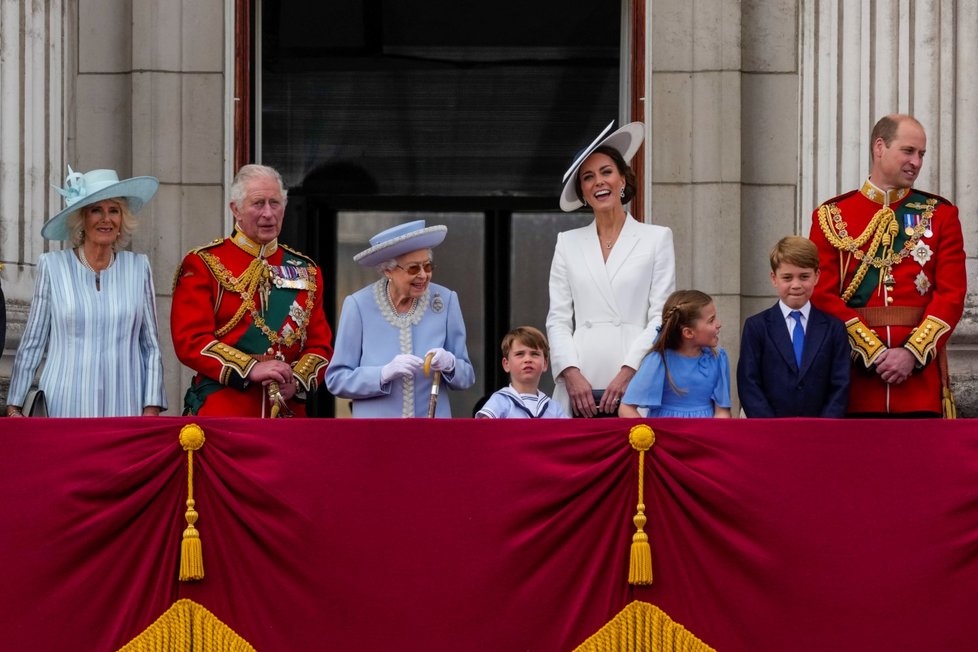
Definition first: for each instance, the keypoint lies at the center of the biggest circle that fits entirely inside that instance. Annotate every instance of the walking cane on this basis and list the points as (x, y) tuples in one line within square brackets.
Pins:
[(435, 382)]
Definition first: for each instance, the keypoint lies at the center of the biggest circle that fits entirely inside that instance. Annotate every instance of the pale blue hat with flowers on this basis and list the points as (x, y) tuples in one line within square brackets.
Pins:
[(401, 239), (82, 190)]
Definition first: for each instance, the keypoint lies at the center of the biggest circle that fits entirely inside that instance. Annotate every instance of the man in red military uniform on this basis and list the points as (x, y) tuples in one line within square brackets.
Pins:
[(247, 311), (893, 269)]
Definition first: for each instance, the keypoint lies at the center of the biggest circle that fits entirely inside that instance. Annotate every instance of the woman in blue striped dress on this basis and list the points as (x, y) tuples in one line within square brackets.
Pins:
[(94, 308)]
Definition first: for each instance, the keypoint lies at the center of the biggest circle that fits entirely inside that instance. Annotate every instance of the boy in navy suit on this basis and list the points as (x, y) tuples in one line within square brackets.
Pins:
[(794, 358)]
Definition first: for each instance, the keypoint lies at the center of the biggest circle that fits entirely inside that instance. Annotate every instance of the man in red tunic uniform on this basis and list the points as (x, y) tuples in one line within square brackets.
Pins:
[(893, 269), (247, 311)]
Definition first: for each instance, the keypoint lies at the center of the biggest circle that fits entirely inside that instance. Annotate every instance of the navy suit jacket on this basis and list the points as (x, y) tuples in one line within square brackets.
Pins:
[(769, 382)]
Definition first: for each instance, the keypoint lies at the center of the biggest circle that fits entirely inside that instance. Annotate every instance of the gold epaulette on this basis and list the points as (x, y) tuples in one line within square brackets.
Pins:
[(940, 200), (923, 339), (864, 341), (209, 245), (299, 254), (232, 359), (197, 250), (307, 368)]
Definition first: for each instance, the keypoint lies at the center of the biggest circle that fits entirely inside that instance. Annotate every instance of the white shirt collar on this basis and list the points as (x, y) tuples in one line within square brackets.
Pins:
[(804, 310)]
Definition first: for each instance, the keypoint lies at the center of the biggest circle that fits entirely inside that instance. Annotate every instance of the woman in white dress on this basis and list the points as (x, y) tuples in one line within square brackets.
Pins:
[(93, 315), (608, 280)]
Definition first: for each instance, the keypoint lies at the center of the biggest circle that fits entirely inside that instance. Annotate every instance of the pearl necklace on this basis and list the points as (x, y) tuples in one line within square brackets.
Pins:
[(98, 273), (390, 298)]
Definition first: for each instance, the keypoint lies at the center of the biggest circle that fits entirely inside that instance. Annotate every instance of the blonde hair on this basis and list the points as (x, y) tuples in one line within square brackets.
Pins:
[(681, 310), (76, 225), (794, 250)]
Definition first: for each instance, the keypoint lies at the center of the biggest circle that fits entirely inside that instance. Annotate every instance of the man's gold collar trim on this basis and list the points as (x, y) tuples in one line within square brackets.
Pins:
[(885, 197), (258, 250)]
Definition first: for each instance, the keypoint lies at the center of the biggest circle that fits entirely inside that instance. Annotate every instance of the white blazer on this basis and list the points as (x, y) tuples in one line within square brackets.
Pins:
[(604, 315)]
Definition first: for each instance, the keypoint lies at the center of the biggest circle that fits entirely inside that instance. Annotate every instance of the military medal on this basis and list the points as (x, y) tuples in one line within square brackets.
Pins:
[(909, 222)]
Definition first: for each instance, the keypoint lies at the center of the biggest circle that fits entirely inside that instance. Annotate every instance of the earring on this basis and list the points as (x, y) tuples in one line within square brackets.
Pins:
[(622, 193), (585, 201)]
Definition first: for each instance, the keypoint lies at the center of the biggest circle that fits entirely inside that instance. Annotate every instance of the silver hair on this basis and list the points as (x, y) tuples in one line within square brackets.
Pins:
[(389, 264), (251, 172), (76, 225)]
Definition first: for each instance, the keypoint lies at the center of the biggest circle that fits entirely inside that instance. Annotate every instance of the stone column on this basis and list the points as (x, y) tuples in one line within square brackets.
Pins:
[(33, 64), (860, 61), (178, 135), (696, 87)]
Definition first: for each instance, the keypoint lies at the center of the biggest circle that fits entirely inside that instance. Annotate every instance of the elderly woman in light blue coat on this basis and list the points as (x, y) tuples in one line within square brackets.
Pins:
[(388, 328)]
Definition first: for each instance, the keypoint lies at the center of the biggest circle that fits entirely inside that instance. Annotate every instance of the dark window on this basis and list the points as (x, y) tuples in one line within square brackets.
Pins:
[(467, 113)]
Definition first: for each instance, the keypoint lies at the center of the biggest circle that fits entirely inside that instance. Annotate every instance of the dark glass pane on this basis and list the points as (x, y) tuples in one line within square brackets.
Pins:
[(435, 98), (534, 239)]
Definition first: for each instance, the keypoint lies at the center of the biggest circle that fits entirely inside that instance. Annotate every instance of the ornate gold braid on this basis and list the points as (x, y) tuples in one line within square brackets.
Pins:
[(245, 286), (877, 228)]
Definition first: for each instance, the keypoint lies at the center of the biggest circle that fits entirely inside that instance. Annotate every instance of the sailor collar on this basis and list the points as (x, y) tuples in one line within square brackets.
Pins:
[(245, 243), (885, 197)]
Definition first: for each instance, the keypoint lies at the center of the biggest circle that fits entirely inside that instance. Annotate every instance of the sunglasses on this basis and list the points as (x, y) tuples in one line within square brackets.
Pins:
[(415, 268)]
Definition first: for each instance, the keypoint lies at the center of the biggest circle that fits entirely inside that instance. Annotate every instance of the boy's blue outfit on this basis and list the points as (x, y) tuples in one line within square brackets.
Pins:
[(507, 403), (770, 382)]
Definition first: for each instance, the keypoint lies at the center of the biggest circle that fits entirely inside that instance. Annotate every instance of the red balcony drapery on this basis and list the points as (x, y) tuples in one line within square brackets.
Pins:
[(482, 535)]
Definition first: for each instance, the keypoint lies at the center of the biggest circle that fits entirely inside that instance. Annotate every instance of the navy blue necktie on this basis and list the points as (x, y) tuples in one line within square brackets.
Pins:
[(797, 337)]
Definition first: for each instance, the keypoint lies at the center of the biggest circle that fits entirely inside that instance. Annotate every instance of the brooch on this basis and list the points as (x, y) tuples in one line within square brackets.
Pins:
[(437, 304), (922, 283)]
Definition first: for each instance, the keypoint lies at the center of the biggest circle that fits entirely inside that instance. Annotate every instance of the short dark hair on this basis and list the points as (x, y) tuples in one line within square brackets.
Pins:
[(624, 170), (887, 127)]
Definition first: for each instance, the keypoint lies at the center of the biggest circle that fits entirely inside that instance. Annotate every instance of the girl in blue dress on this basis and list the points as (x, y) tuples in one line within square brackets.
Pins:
[(686, 374)]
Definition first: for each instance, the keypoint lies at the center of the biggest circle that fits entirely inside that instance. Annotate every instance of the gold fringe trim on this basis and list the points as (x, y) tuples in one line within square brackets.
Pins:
[(191, 550), (188, 627), (641, 438), (643, 627)]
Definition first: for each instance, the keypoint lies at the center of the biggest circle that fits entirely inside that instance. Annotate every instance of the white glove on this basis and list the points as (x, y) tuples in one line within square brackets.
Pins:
[(443, 360), (402, 366)]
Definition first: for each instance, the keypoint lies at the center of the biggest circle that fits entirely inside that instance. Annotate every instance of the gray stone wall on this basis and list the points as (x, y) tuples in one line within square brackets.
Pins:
[(759, 109)]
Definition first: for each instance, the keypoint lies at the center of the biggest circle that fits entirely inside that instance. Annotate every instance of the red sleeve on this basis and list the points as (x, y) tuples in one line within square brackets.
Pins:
[(193, 326)]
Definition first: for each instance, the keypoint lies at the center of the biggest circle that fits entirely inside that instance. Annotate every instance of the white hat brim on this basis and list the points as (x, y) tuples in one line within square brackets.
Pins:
[(136, 191), (626, 141), (426, 238)]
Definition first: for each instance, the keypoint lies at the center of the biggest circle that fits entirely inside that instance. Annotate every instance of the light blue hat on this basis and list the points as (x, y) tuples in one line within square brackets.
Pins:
[(626, 140), (92, 187), (401, 239)]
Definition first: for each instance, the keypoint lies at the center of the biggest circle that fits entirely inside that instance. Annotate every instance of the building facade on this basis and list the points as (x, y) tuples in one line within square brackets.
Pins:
[(756, 112)]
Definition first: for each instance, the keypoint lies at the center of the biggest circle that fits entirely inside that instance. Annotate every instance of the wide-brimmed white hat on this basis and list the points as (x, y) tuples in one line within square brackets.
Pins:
[(401, 239), (626, 141), (92, 187)]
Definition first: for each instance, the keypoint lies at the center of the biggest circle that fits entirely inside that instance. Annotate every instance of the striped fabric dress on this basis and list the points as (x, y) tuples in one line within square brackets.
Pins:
[(102, 347)]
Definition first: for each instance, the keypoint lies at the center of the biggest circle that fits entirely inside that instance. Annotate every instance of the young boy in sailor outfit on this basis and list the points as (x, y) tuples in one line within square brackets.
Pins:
[(525, 357)]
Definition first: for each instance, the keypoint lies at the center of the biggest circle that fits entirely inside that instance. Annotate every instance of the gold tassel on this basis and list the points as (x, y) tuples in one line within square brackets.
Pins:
[(947, 404), (641, 439), (191, 551)]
